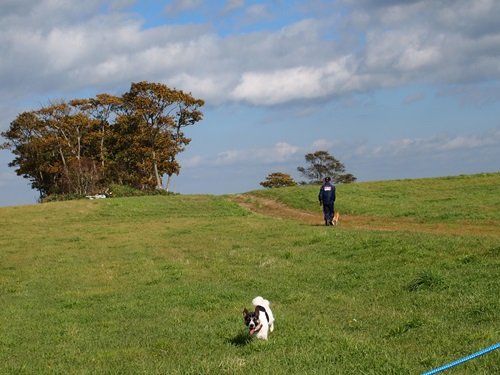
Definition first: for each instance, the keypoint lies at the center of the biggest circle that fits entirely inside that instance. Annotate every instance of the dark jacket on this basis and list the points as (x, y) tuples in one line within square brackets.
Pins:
[(327, 193)]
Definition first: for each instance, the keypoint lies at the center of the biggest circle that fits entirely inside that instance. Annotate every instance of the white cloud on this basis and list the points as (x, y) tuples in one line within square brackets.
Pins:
[(333, 78), (491, 139), (178, 6), (435, 144), (324, 144), (403, 55), (278, 153)]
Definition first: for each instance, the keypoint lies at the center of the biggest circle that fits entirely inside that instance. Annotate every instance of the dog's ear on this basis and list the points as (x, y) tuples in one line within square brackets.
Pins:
[(245, 311)]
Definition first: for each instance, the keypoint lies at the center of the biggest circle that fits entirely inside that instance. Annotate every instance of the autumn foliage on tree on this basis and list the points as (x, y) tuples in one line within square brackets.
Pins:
[(83, 146), (278, 179), (320, 165)]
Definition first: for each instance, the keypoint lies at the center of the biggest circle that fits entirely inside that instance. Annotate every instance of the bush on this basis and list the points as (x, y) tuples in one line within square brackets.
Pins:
[(60, 198), (278, 179), (129, 191)]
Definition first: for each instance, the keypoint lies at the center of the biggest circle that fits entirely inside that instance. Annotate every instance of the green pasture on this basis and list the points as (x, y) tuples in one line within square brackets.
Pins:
[(156, 285), (470, 198)]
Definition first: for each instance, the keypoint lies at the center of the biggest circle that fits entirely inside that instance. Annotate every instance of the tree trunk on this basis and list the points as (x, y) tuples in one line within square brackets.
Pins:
[(167, 187), (63, 160), (159, 184), (102, 147)]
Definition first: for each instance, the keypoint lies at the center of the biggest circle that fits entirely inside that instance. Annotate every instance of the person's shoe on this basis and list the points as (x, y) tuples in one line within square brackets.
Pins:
[(330, 222)]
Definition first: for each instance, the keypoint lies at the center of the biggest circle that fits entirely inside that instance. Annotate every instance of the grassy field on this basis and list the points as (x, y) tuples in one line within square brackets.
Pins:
[(156, 285)]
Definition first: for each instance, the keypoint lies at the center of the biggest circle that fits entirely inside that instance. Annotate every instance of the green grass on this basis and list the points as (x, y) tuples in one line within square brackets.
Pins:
[(448, 199), (156, 285)]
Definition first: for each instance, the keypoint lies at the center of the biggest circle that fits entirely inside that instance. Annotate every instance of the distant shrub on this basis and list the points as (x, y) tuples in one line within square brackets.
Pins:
[(124, 191), (60, 198), (278, 179)]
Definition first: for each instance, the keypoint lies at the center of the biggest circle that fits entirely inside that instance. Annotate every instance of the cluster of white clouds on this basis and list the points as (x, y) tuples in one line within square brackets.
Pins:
[(285, 153), (278, 153), (59, 46), (434, 144), (296, 54)]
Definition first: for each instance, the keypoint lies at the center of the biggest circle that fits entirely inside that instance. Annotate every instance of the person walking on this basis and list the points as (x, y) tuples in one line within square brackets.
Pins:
[(327, 199)]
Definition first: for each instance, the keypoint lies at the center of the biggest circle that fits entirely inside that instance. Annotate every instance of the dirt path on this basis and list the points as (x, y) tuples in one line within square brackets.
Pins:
[(270, 207)]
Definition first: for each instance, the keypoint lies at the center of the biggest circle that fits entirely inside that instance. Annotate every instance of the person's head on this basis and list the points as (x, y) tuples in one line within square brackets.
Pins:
[(327, 179)]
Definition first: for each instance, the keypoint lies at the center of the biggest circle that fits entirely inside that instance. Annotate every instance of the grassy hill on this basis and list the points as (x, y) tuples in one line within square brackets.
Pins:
[(407, 282)]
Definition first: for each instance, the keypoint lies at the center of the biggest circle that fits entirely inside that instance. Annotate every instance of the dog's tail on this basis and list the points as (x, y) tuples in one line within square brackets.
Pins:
[(259, 301)]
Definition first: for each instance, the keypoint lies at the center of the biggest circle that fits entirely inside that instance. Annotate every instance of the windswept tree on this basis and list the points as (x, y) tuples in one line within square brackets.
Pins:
[(29, 141), (188, 113), (51, 150), (160, 113), (278, 179), (320, 165)]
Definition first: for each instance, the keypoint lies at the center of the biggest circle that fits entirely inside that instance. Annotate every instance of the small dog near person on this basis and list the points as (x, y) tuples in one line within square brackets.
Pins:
[(335, 218), (260, 321)]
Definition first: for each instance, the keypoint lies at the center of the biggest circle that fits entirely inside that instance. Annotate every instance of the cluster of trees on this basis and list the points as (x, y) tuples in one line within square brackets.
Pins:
[(320, 164), (83, 146)]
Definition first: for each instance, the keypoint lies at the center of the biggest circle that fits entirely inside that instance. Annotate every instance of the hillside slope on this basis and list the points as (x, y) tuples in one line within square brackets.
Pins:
[(463, 205), (157, 285)]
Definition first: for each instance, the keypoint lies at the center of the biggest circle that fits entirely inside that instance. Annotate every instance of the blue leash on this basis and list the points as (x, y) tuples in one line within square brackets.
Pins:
[(462, 360)]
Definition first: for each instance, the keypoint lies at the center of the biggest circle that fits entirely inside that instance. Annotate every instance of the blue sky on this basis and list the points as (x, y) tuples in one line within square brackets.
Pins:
[(393, 89)]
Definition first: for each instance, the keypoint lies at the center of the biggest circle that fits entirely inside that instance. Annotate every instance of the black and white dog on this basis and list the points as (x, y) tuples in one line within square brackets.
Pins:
[(260, 321)]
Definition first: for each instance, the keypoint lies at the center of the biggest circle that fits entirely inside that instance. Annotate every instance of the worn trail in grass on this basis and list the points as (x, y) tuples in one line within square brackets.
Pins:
[(273, 208)]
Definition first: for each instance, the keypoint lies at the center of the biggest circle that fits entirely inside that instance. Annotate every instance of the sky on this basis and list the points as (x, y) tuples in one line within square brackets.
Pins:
[(394, 89)]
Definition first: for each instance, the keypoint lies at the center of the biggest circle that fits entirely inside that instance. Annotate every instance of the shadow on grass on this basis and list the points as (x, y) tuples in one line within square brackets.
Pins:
[(241, 339)]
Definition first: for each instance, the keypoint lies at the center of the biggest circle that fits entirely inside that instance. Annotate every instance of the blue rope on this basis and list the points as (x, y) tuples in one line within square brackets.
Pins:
[(462, 360)]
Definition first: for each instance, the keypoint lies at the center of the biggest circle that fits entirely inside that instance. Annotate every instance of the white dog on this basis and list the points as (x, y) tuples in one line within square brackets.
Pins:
[(260, 321)]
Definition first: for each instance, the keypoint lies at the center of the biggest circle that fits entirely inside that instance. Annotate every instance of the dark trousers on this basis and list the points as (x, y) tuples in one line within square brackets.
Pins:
[(328, 210)]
